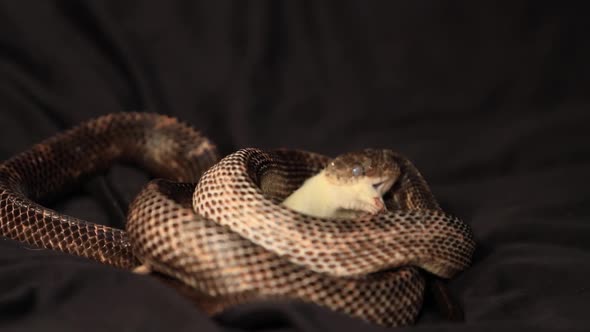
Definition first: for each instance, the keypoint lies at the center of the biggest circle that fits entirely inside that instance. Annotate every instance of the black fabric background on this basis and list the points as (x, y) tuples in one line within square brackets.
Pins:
[(488, 98)]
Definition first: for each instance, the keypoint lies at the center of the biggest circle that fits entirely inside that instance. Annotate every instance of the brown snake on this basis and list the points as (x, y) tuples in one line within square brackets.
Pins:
[(227, 237)]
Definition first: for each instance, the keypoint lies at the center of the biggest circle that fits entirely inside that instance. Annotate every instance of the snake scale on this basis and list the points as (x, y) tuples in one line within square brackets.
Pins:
[(217, 225)]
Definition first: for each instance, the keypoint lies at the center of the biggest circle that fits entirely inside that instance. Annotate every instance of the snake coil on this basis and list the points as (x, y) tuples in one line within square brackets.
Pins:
[(217, 226)]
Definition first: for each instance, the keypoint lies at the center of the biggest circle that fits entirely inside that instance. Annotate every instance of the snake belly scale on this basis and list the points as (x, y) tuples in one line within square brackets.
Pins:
[(218, 225)]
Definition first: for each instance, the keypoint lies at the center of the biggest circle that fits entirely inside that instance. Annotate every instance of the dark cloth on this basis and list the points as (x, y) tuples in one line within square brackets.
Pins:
[(488, 98)]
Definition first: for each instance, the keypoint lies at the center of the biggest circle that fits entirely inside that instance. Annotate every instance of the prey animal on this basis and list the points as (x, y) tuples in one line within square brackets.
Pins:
[(351, 184)]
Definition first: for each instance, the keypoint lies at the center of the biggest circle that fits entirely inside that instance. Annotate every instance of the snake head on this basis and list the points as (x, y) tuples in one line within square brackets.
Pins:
[(360, 179)]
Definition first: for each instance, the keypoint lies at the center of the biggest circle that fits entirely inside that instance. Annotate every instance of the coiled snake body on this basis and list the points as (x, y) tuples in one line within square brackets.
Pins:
[(224, 233)]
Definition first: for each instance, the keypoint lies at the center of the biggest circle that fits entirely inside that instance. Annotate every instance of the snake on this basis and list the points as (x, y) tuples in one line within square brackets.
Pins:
[(219, 228)]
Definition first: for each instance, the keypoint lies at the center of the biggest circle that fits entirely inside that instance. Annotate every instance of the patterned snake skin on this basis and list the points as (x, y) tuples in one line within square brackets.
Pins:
[(223, 233)]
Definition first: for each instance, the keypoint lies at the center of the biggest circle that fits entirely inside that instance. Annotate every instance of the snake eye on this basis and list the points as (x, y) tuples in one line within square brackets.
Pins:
[(358, 170)]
